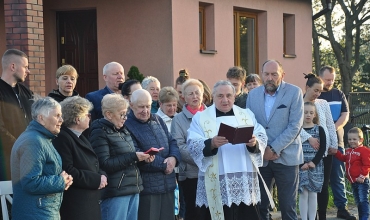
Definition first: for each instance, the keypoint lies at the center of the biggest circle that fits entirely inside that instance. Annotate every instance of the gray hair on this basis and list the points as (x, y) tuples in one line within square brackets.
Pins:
[(73, 107), (113, 102), (43, 106), (137, 94), (108, 66), (222, 83), (168, 94), (147, 80)]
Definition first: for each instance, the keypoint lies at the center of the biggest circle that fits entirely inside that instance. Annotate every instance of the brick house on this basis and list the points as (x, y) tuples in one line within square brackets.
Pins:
[(158, 36)]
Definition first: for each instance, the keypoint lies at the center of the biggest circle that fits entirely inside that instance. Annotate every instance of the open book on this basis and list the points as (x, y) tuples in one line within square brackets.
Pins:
[(153, 150), (236, 135)]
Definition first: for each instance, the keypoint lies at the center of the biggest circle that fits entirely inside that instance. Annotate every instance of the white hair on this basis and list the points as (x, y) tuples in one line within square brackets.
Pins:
[(147, 80), (108, 66), (137, 94), (43, 106), (222, 83)]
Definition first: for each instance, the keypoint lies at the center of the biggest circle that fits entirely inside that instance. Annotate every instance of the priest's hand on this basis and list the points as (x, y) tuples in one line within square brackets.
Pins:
[(218, 141), (252, 142)]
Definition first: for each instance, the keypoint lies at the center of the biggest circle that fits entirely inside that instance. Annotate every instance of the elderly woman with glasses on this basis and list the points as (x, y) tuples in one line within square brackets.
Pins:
[(36, 167), (81, 201), (118, 158)]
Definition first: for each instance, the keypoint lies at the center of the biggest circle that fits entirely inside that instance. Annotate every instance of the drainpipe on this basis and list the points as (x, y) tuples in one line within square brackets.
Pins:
[(329, 7)]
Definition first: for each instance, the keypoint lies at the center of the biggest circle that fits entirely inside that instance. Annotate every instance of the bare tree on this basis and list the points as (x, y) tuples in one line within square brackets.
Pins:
[(346, 43)]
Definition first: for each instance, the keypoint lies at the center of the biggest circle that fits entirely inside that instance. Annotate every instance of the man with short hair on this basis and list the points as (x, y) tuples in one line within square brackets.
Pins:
[(159, 179), (340, 113), (227, 179), (278, 107), (113, 74), (236, 76), (15, 105)]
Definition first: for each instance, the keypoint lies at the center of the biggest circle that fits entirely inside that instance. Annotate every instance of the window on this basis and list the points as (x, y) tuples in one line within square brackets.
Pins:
[(289, 36), (202, 28), (245, 41), (206, 28)]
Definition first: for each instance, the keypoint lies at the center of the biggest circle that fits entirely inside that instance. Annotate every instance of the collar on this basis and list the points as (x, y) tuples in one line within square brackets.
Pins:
[(110, 91), (220, 113)]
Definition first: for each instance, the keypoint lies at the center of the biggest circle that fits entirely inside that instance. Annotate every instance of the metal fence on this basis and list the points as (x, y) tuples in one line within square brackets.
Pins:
[(359, 105)]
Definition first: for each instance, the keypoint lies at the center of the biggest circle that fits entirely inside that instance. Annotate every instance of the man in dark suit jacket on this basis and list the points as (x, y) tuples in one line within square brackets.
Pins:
[(113, 74), (278, 107)]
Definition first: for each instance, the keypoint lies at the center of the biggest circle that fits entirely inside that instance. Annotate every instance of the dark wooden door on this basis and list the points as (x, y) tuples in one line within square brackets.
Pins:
[(77, 46)]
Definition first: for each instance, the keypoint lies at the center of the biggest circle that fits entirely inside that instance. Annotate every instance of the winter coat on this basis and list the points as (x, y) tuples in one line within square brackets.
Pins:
[(36, 167), (154, 133), (357, 162), (117, 157), (81, 200)]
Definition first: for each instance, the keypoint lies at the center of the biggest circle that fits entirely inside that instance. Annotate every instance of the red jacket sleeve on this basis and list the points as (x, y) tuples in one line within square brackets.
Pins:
[(365, 169), (340, 156)]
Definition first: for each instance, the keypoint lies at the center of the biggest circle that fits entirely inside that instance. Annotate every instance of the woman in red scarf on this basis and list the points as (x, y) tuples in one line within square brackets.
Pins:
[(192, 91)]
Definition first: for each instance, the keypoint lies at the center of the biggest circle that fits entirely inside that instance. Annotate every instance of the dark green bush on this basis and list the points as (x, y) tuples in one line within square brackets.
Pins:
[(134, 73)]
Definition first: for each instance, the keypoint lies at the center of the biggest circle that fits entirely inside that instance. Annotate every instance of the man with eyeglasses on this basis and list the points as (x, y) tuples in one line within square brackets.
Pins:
[(114, 75), (15, 105)]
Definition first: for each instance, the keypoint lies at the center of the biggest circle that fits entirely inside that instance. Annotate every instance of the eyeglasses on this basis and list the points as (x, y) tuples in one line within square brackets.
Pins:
[(123, 116)]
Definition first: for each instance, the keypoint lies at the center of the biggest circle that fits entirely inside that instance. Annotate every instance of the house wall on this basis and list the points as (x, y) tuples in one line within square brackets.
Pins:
[(130, 32), (212, 67), (161, 37), (2, 31)]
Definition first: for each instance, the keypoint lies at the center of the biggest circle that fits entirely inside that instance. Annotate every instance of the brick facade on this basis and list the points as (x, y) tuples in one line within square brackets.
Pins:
[(24, 28)]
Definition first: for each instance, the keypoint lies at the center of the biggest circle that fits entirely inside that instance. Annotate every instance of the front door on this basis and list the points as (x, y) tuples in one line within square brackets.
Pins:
[(77, 46)]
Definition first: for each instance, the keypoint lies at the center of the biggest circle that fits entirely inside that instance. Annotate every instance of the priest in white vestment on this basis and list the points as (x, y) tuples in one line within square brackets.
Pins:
[(228, 185)]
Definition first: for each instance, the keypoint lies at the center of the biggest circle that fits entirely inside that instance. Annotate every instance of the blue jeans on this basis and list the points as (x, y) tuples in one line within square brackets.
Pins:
[(361, 195), (337, 182), (120, 208)]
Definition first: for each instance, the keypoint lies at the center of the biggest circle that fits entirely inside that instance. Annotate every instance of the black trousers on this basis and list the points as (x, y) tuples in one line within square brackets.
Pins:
[(323, 196), (189, 187), (157, 206), (235, 212)]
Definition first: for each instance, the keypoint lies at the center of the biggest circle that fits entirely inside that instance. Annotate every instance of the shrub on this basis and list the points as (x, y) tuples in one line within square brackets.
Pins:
[(134, 73)]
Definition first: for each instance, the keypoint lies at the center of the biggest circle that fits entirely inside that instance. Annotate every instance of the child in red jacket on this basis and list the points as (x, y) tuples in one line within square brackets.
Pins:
[(357, 160)]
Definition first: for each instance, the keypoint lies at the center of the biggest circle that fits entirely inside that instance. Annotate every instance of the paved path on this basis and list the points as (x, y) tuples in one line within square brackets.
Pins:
[(331, 215)]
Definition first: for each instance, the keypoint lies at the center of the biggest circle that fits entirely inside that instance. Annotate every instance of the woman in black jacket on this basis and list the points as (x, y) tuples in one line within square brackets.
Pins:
[(118, 158), (81, 201)]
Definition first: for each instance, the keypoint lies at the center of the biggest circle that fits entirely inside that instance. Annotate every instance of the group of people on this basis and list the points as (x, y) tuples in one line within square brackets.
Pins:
[(71, 157)]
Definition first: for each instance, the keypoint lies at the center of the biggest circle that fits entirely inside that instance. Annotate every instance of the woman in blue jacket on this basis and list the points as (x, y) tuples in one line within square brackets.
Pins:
[(36, 167)]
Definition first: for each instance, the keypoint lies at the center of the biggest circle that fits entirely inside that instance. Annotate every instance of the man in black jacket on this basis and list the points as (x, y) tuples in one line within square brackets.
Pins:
[(15, 105)]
